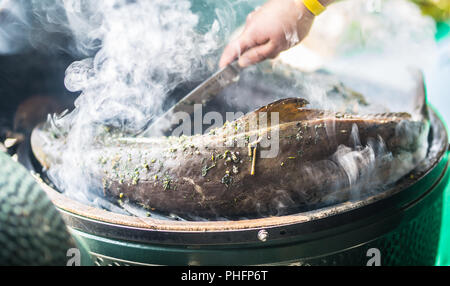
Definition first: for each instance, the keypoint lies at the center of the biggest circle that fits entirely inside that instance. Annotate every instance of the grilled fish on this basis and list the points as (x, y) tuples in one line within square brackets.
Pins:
[(223, 174)]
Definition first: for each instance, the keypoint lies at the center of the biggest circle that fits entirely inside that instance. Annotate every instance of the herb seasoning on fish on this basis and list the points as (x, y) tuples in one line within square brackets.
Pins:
[(302, 174)]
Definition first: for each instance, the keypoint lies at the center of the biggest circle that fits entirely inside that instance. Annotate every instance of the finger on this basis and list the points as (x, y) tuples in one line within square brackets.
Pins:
[(234, 50), (249, 17), (257, 54), (229, 54)]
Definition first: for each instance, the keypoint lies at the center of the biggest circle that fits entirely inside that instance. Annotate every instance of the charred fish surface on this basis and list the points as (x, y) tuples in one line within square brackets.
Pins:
[(319, 155)]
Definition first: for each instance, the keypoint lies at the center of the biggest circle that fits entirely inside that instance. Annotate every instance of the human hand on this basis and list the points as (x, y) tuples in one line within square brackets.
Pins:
[(269, 30)]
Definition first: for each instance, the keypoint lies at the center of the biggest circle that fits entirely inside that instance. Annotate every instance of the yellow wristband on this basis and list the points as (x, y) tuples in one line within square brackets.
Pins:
[(314, 6)]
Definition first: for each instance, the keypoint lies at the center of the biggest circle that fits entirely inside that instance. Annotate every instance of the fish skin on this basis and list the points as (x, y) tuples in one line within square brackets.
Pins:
[(168, 174)]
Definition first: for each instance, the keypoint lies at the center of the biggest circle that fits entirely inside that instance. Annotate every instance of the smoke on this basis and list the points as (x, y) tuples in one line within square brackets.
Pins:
[(141, 60), (14, 26), (136, 54), (376, 40)]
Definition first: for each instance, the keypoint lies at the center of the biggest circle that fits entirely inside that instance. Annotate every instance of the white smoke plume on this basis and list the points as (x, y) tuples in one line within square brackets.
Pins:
[(136, 53)]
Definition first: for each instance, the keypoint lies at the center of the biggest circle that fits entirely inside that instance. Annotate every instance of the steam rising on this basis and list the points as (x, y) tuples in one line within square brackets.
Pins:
[(145, 50), (140, 52), (139, 63), (13, 27)]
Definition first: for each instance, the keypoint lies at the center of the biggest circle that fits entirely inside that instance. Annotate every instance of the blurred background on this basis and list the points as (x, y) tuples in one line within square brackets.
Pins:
[(437, 77)]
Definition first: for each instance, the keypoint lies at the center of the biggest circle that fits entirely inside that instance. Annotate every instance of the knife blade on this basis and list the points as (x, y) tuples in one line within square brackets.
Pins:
[(202, 94)]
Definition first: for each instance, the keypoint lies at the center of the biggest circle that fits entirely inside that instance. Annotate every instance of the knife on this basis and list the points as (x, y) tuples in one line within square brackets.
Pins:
[(202, 94)]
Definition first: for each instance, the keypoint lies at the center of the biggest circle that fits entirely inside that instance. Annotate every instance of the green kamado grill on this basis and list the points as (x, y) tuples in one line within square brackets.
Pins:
[(403, 224)]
